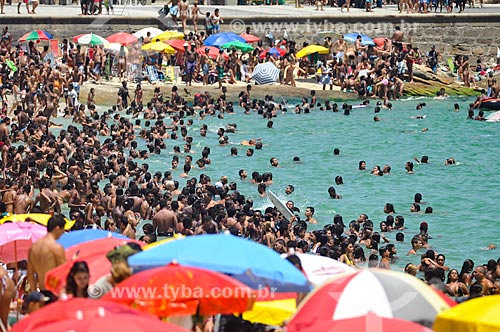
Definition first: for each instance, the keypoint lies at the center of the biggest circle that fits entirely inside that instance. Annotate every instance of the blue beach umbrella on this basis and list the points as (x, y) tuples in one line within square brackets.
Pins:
[(73, 238), (222, 38), (365, 40), (249, 262)]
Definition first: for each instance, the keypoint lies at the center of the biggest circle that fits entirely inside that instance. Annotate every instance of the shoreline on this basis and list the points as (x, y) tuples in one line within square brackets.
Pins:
[(106, 91)]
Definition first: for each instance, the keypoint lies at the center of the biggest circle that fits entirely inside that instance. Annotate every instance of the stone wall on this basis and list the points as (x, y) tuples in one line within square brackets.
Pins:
[(470, 34)]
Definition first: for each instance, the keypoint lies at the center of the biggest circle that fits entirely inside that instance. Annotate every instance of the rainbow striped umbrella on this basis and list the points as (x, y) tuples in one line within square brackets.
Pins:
[(36, 35)]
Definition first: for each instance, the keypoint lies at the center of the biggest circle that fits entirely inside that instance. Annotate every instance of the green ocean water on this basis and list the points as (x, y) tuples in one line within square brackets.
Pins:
[(464, 196)]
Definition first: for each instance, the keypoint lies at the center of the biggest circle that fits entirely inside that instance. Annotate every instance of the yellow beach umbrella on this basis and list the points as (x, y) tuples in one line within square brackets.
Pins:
[(159, 47), (167, 35), (311, 49), (274, 312), (478, 315), (38, 218), (157, 243)]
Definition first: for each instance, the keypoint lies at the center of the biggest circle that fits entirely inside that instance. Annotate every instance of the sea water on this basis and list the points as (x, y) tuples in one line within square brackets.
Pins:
[(464, 196)]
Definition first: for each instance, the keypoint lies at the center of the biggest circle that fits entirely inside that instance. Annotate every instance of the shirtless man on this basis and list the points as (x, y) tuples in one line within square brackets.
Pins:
[(165, 220), (184, 12), (7, 293), (190, 64), (24, 202), (289, 75), (480, 276), (397, 39), (309, 215), (46, 254), (47, 198), (9, 197), (340, 47), (4, 138)]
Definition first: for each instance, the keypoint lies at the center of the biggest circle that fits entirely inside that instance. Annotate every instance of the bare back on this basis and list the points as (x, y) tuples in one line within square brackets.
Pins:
[(44, 255)]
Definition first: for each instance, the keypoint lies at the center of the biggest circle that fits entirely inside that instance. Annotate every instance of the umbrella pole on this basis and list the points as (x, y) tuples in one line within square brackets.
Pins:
[(17, 279)]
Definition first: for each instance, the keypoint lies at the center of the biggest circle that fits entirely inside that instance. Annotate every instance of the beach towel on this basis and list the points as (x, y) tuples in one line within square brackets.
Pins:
[(451, 64)]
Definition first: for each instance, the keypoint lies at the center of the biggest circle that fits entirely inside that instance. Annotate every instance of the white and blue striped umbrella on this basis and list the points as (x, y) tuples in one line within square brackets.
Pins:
[(265, 73)]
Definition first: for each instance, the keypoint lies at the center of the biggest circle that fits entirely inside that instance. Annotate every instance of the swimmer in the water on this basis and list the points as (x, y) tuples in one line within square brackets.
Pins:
[(450, 161), (362, 165), (423, 160), (333, 193), (289, 189)]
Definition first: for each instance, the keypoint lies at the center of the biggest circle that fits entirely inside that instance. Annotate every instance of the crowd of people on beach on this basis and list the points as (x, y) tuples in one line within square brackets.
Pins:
[(94, 170)]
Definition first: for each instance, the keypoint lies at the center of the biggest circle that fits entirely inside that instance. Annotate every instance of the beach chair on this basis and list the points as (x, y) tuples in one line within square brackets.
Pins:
[(152, 74)]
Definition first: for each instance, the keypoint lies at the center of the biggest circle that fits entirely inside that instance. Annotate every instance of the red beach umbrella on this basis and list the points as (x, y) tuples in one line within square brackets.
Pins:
[(122, 38), (212, 53), (76, 308), (249, 38), (129, 323), (93, 253), (177, 44), (175, 290)]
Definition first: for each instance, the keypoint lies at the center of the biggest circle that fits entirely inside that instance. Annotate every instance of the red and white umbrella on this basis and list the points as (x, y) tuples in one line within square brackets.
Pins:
[(369, 323), (319, 269), (385, 293)]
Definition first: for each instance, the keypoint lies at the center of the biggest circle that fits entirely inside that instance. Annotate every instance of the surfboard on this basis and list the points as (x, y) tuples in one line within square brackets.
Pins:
[(359, 106), (278, 203), (39, 218)]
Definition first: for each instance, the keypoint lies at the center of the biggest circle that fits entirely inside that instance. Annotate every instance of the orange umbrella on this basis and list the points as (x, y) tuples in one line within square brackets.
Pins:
[(175, 290), (177, 44), (249, 38), (213, 52), (76, 308), (122, 38), (93, 253)]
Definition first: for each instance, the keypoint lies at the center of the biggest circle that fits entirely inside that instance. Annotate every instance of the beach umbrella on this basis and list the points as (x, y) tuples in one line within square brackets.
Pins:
[(311, 49), (247, 261), (73, 238), (144, 32), (476, 315), (221, 38), (265, 73), (97, 247), (16, 240), (167, 35), (385, 293), (368, 323), (36, 35), (75, 308), (93, 253), (90, 39), (176, 290), (244, 47), (249, 38), (319, 269), (213, 52), (177, 44), (122, 38), (272, 308), (274, 51), (158, 47), (129, 323), (115, 47), (176, 236), (39, 218), (365, 40), (380, 41)]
